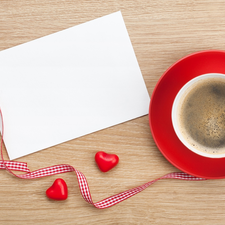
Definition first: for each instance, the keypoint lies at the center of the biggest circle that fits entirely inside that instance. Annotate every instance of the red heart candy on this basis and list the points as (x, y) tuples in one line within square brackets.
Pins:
[(58, 191), (106, 161)]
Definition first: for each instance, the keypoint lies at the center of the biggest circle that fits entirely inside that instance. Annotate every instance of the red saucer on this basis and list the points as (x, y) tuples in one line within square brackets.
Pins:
[(212, 61)]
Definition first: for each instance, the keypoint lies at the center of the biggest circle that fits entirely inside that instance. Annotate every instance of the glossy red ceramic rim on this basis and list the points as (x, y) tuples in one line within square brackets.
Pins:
[(185, 69)]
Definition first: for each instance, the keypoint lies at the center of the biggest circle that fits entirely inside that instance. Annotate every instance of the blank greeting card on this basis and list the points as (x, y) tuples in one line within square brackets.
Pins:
[(69, 84)]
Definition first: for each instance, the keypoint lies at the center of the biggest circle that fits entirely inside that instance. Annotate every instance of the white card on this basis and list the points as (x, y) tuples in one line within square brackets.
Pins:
[(69, 84)]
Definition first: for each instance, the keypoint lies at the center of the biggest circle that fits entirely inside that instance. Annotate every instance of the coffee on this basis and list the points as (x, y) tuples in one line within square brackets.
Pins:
[(201, 115)]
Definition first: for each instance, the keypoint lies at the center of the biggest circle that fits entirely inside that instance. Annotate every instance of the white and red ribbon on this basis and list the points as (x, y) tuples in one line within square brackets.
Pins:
[(83, 185)]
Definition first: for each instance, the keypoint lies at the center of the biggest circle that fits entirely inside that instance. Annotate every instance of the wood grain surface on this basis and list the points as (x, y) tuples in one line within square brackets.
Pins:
[(161, 32)]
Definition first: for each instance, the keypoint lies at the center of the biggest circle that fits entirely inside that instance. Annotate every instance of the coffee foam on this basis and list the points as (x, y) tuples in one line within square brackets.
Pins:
[(202, 115)]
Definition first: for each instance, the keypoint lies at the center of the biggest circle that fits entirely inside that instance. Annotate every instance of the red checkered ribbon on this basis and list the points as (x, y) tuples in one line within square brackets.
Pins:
[(84, 189)]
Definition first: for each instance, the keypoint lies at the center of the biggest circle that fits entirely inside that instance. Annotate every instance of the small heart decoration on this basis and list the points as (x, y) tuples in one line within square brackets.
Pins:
[(106, 161), (58, 190)]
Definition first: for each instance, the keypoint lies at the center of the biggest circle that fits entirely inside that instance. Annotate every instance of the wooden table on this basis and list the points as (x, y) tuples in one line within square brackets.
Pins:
[(161, 32)]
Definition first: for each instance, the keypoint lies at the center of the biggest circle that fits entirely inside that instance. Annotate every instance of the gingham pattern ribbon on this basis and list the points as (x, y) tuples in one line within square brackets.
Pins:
[(83, 185)]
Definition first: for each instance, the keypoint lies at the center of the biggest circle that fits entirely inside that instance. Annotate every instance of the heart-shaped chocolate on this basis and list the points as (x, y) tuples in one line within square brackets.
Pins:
[(106, 161), (58, 191)]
